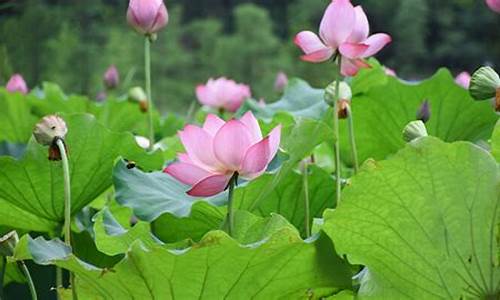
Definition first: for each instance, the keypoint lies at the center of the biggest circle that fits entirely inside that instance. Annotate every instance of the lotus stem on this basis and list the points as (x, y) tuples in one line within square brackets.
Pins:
[(147, 71), (27, 274), (67, 206), (2, 275), (352, 139), (230, 208), (336, 135), (305, 185)]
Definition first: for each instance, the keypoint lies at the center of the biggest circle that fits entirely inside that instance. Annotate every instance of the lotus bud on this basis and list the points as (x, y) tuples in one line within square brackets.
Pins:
[(344, 92), (111, 78), (137, 94), (281, 82), (485, 84), (16, 83), (424, 112), (494, 5), (147, 16), (47, 131), (414, 130), (8, 243), (101, 96)]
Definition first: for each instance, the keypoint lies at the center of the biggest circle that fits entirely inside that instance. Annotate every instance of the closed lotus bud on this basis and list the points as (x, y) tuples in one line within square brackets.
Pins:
[(111, 78), (48, 131), (101, 96), (494, 5), (414, 130), (8, 243), (330, 92), (16, 83), (424, 112), (137, 94), (485, 84), (147, 16), (281, 82), (343, 108)]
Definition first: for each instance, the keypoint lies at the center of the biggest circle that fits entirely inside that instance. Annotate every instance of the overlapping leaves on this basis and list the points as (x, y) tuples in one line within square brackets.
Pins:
[(31, 189)]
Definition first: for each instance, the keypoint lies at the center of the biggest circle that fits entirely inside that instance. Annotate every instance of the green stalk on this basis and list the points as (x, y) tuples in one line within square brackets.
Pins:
[(147, 70), (305, 184), (336, 135), (230, 208), (59, 281), (67, 205), (352, 139), (2, 275), (27, 274)]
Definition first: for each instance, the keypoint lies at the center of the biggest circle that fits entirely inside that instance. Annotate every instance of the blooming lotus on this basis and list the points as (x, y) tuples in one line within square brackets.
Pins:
[(223, 93), (218, 150), (494, 5), (343, 30), (111, 77), (16, 83), (147, 16), (463, 79)]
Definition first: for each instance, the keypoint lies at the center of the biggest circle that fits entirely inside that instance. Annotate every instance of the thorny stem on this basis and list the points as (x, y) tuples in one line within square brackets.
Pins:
[(336, 135), (305, 185), (230, 208), (352, 139), (147, 71), (27, 274), (67, 205)]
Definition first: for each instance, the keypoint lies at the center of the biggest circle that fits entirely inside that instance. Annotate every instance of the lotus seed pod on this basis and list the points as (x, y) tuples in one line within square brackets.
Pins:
[(49, 129), (414, 130), (424, 112), (344, 92), (485, 84), (343, 107), (137, 94), (8, 243)]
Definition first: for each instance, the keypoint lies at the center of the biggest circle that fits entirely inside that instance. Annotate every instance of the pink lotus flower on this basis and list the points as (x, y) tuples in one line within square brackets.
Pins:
[(223, 93), (219, 149), (16, 83), (463, 79), (147, 16), (281, 82), (111, 77), (345, 29), (494, 5)]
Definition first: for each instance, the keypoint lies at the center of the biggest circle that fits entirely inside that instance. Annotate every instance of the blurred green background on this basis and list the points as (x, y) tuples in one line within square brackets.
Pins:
[(72, 42)]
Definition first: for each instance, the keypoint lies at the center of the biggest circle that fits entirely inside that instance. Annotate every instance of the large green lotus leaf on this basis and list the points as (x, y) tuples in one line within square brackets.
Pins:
[(368, 78), (155, 193), (16, 119), (424, 222), (112, 239), (282, 266), (203, 218), (32, 187), (381, 113), (287, 197)]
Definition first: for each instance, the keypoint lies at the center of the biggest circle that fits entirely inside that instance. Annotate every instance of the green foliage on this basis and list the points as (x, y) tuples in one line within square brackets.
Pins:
[(229, 269), (32, 187), (423, 222)]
